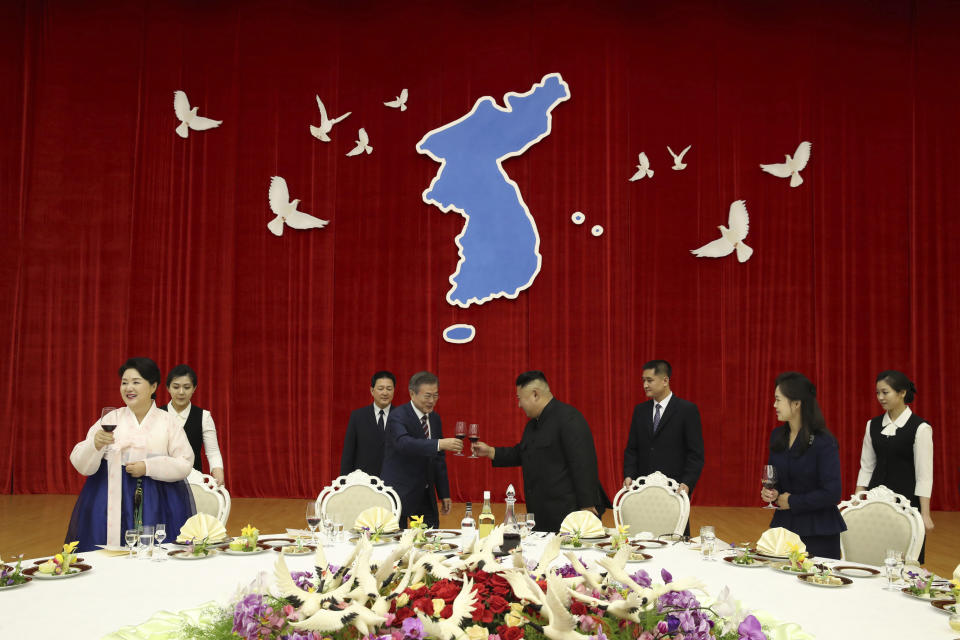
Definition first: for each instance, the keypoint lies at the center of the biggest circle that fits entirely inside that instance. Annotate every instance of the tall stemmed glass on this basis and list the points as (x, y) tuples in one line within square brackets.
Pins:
[(768, 479), (160, 534), (313, 519), (460, 432), (131, 537), (474, 432), (892, 561), (108, 422)]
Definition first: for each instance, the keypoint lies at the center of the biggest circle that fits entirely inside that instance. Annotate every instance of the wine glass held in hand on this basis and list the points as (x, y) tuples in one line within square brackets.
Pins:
[(460, 432), (108, 422), (474, 435), (768, 480)]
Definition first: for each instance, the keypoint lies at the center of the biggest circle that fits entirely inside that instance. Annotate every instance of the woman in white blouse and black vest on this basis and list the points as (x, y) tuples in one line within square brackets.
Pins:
[(898, 447), (197, 423)]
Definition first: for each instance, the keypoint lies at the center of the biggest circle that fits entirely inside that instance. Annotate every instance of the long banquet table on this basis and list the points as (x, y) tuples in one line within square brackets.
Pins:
[(118, 592)]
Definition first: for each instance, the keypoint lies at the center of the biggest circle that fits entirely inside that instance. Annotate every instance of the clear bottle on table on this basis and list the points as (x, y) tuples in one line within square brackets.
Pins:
[(486, 521)]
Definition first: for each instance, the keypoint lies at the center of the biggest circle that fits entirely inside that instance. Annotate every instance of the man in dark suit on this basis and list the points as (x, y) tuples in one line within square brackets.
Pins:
[(557, 455), (665, 433), (363, 444), (413, 459)]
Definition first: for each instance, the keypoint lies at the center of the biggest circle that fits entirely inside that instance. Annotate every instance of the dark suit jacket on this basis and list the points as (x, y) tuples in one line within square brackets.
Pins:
[(363, 444), (412, 465), (813, 481), (676, 450), (559, 464)]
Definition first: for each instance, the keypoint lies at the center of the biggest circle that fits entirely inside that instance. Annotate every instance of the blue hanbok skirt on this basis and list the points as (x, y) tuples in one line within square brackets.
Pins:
[(168, 502)]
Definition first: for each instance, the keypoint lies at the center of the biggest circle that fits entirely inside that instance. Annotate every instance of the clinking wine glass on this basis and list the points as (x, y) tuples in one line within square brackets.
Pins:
[(460, 432), (108, 422), (474, 435), (768, 480)]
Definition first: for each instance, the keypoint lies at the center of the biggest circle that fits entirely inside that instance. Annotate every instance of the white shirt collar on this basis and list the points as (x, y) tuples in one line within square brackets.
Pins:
[(183, 415), (377, 410), (900, 421), (662, 403), (419, 413)]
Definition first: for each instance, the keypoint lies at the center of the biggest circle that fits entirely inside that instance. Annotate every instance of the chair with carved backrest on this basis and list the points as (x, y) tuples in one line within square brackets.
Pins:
[(209, 496), (349, 495), (877, 520), (652, 503)]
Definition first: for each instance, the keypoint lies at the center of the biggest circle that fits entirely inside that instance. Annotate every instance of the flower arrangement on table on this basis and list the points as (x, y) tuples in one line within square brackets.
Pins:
[(11, 576), (60, 563), (247, 540), (620, 538), (417, 523), (919, 584), (420, 599), (955, 590), (743, 554)]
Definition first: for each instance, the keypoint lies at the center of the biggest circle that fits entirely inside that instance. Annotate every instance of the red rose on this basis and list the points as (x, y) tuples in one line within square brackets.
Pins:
[(402, 614), (511, 633), (424, 604), (497, 604), (447, 611), (447, 590), (480, 576), (577, 608), (496, 580)]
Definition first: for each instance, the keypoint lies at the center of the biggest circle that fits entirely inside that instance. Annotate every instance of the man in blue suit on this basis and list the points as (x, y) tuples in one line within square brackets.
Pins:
[(363, 442), (413, 459)]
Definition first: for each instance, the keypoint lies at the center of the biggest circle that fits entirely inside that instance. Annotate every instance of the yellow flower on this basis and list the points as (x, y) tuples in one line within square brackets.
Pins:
[(68, 548), (514, 617), (58, 558), (402, 600), (249, 531), (438, 605), (622, 529), (476, 632), (416, 522)]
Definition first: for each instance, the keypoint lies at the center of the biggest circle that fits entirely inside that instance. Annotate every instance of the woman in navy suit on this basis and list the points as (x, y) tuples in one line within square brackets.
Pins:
[(807, 460)]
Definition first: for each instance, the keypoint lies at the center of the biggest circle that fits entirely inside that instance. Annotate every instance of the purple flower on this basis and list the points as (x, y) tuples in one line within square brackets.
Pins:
[(303, 579), (750, 629), (296, 635), (246, 616), (412, 628), (567, 571), (667, 578), (642, 578)]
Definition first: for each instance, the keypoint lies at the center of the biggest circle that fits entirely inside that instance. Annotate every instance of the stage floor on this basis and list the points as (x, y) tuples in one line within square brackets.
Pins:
[(34, 525)]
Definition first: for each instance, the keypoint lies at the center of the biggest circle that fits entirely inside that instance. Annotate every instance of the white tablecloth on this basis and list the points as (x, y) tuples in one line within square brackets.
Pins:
[(120, 592)]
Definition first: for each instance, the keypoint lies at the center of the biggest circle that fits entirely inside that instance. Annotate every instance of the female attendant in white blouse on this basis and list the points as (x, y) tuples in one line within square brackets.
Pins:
[(139, 478), (197, 423), (898, 447)]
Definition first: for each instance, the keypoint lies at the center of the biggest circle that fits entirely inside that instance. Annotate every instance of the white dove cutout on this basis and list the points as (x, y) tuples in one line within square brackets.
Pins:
[(730, 238), (400, 102), (643, 169), (188, 117), (793, 166), (286, 210), (678, 163), (363, 144), (326, 124)]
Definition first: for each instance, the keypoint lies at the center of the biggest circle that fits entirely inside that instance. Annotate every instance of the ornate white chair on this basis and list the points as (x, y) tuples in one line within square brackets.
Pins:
[(349, 495), (877, 520), (652, 503), (209, 496)]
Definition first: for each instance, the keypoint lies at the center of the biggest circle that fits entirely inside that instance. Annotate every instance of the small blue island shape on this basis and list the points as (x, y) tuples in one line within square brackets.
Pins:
[(459, 333), (499, 246)]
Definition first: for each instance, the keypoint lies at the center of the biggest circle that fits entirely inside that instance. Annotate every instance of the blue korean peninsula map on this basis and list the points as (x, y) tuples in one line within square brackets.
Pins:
[(499, 246)]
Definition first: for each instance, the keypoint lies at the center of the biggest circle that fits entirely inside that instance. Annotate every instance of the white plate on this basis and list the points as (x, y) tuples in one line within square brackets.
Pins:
[(785, 568), (307, 550), (182, 554), (14, 586), (856, 572), (803, 577), (933, 595), (34, 572), (756, 564), (443, 534), (232, 552)]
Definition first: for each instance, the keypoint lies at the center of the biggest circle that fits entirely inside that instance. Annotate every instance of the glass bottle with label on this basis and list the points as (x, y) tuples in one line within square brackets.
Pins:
[(511, 534), (486, 521)]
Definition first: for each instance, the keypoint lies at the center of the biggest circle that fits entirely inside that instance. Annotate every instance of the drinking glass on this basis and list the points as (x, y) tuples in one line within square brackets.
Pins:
[(768, 480), (474, 435), (131, 537), (522, 524), (531, 522), (146, 541), (708, 541), (334, 524), (460, 432), (891, 561), (160, 534), (108, 422), (313, 519)]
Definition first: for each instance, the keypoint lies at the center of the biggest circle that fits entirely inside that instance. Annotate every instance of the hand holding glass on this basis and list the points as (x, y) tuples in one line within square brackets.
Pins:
[(460, 432), (108, 422), (768, 479), (474, 435)]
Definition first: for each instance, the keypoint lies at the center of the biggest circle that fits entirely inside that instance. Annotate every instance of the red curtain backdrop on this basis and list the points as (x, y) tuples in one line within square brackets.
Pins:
[(122, 239)]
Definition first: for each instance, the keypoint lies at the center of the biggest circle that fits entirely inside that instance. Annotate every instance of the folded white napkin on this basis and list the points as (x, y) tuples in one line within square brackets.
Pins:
[(375, 518), (956, 573), (584, 523), (779, 541), (200, 526)]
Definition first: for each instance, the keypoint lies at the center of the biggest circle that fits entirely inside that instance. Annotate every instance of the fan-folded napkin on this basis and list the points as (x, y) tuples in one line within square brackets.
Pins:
[(583, 523), (200, 526), (779, 542), (377, 518)]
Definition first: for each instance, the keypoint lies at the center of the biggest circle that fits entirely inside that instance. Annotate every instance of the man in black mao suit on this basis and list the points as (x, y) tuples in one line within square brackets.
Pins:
[(363, 443), (557, 455), (675, 446), (413, 459)]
